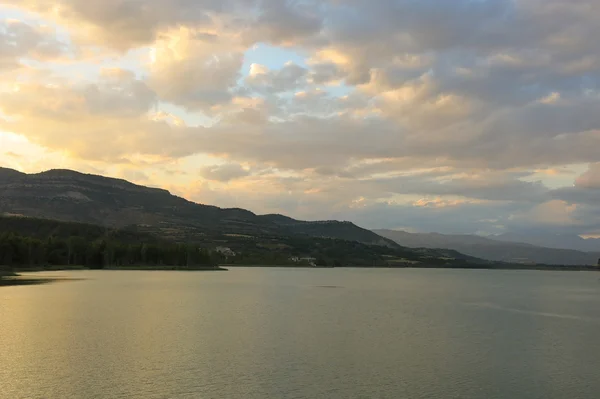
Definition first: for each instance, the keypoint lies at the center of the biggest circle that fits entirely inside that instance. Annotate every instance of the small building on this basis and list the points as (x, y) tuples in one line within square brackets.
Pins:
[(307, 260), (225, 251)]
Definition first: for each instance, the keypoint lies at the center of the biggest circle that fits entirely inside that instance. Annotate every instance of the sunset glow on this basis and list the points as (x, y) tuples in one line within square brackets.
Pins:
[(376, 112)]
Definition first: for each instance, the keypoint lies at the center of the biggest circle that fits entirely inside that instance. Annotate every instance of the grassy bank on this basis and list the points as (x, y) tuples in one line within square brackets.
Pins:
[(134, 267), (50, 268), (17, 280)]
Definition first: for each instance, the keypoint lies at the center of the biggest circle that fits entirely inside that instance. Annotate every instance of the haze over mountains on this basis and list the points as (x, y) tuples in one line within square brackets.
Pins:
[(562, 241), (498, 248)]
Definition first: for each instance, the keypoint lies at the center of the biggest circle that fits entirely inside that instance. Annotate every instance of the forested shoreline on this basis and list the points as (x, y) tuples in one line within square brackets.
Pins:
[(32, 243), (43, 244), (17, 251)]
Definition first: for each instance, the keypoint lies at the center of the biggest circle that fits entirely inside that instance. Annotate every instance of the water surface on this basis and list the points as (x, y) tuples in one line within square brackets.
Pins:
[(303, 333)]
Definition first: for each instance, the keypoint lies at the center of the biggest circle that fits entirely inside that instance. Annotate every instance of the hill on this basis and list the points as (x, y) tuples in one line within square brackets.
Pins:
[(119, 213), (490, 249), (559, 241), (27, 242), (6, 174), (76, 197)]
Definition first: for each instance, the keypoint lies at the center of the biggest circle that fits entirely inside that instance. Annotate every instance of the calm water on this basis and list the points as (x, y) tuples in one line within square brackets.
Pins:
[(297, 333)]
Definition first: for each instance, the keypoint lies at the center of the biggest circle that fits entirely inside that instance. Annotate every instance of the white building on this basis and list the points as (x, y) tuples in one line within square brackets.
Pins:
[(306, 259), (225, 251)]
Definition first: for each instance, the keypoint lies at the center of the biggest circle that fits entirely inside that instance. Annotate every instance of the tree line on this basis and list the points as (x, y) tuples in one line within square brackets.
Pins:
[(35, 243), (30, 252)]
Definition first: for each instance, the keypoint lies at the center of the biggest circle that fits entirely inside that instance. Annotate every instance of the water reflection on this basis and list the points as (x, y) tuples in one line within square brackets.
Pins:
[(257, 333)]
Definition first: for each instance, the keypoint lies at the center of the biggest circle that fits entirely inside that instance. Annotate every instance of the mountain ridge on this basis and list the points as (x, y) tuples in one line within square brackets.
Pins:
[(558, 241), (73, 196), (490, 249)]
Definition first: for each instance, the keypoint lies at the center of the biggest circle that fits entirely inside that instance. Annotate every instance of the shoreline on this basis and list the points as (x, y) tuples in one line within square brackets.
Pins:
[(514, 267), (226, 267), (165, 268), (18, 280), (14, 281), (113, 268), (465, 267), (24, 280)]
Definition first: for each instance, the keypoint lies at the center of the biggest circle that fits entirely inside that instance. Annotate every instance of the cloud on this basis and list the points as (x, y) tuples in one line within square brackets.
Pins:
[(224, 173), (325, 73), (106, 120), (124, 24), (555, 212), (118, 107), (195, 69), (133, 175), (577, 195), (484, 186), (285, 22), (117, 93), (403, 113), (590, 179), (289, 77), (306, 142), (20, 40)]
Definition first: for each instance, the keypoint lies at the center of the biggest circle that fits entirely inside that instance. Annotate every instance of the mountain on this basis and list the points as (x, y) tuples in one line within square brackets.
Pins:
[(71, 196), (60, 204), (562, 241), (490, 249), (6, 174)]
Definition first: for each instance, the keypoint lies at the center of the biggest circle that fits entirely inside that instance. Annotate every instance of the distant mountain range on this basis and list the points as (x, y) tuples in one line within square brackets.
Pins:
[(69, 196), (561, 241), (84, 204), (497, 248)]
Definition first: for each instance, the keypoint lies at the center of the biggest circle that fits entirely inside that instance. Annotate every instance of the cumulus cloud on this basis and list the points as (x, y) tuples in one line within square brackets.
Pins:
[(325, 73), (125, 24), (555, 212), (106, 120), (285, 22), (289, 77), (195, 69), (20, 40)]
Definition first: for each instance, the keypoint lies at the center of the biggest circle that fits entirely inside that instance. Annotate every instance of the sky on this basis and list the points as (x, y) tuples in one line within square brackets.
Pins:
[(456, 116)]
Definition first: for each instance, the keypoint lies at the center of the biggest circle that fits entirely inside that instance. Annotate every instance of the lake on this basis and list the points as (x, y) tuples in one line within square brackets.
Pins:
[(303, 333)]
